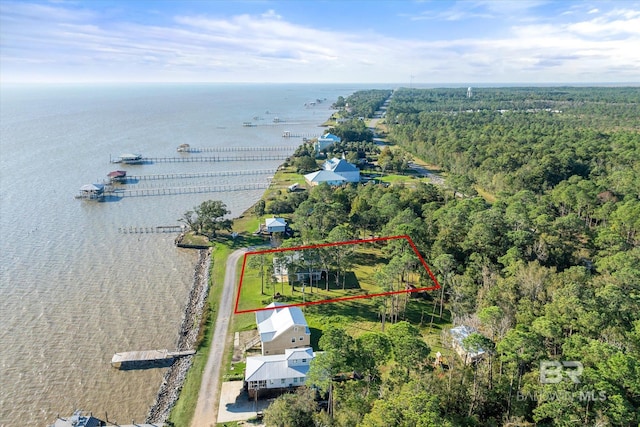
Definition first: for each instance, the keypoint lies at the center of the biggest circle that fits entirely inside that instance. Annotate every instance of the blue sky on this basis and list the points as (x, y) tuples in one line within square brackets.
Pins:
[(434, 41)]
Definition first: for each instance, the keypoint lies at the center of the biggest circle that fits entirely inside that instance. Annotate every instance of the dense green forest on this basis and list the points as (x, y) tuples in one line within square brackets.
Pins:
[(363, 103), (547, 272)]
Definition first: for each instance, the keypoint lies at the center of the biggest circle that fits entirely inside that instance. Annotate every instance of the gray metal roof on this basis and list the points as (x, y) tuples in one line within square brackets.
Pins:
[(340, 165), (323, 176), (278, 366), (272, 323)]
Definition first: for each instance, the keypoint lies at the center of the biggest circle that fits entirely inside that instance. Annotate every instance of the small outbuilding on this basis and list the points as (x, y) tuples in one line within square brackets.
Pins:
[(458, 334)]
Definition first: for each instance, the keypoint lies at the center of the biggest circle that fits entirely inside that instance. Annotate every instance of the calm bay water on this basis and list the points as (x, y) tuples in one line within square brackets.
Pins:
[(73, 289)]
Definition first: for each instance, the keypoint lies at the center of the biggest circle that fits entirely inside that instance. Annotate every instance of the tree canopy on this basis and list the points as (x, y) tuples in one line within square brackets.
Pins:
[(208, 218), (545, 265)]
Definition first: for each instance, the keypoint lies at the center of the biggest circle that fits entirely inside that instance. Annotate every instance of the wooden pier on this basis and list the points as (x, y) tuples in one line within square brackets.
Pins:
[(289, 134), (172, 191), (147, 358), (212, 159), (156, 229), (278, 123), (184, 149), (199, 175)]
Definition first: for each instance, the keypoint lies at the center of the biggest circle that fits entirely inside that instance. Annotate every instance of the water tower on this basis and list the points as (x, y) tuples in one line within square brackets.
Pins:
[(469, 93)]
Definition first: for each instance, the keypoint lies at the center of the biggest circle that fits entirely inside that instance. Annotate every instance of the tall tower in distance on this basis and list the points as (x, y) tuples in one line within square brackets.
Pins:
[(469, 92)]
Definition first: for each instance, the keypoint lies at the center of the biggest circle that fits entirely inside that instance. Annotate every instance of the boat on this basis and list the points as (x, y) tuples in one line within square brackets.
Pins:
[(130, 159)]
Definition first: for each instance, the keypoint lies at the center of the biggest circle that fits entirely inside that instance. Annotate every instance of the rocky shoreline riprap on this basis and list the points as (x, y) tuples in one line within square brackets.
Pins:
[(176, 374)]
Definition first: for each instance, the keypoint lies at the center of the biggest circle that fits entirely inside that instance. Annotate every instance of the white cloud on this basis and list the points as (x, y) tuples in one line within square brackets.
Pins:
[(267, 47)]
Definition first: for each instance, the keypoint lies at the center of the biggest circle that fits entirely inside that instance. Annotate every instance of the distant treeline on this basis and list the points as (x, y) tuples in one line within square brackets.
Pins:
[(508, 140)]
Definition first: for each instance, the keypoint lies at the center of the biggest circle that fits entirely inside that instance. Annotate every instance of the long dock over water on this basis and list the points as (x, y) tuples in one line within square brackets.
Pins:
[(184, 149), (199, 175), (172, 191), (243, 158), (139, 359), (157, 229)]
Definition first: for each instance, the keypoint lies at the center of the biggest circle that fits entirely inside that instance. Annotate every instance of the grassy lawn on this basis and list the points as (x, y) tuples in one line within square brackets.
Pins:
[(356, 316), (193, 239), (280, 183), (359, 280)]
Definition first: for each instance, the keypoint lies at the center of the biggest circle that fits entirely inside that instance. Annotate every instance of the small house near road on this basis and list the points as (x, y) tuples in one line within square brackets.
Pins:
[(279, 371), (281, 329), (275, 225), (458, 334)]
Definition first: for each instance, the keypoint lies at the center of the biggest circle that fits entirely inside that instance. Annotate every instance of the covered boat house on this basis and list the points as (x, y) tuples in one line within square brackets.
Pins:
[(91, 192)]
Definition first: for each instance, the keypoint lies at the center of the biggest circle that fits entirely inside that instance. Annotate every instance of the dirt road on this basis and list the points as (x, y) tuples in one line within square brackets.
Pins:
[(206, 412)]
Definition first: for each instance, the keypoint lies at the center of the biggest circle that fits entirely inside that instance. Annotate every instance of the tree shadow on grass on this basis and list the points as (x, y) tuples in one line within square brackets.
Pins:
[(349, 279), (368, 259)]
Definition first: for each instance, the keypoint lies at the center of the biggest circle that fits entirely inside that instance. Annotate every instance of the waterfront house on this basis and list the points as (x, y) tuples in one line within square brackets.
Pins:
[(275, 225), (282, 328), (343, 168), (325, 141), (318, 177), (279, 371)]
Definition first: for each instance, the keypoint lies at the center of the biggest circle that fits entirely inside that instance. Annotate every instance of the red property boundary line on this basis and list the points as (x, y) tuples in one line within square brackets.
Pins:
[(350, 242)]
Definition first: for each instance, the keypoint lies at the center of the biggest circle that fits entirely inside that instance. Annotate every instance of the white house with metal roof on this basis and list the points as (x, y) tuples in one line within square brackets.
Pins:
[(282, 328), (318, 177), (279, 370), (343, 168), (275, 225)]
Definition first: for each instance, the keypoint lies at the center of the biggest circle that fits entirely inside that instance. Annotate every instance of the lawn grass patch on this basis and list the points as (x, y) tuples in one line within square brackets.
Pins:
[(357, 281), (193, 239)]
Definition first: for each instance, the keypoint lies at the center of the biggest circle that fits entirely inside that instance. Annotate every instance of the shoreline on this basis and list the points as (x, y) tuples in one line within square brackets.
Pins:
[(174, 378)]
